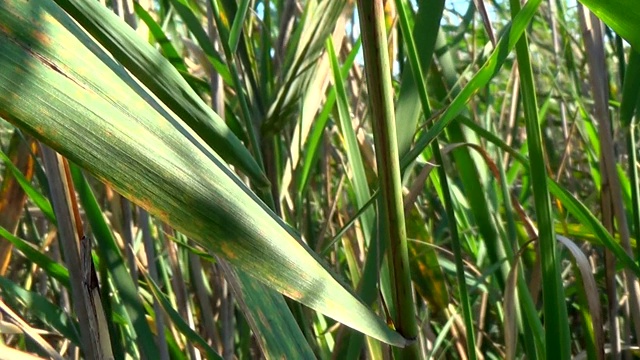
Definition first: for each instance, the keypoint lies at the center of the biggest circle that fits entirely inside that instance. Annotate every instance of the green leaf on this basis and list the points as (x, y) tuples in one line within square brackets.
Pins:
[(157, 74), (51, 267), (72, 99), (44, 310), (623, 16), (358, 176), (490, 68), (268, 315), (236, 28), (42, 202), (126, 289), (182, 326), (167, 47), (574, 206)]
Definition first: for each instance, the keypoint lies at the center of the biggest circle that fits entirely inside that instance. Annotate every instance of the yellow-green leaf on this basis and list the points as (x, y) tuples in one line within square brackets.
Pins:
[(81, 103)]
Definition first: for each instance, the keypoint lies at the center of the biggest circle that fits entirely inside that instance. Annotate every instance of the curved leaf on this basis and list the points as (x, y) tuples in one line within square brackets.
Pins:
[(155, 72), (622, 16), (53, 87), (489, 69)]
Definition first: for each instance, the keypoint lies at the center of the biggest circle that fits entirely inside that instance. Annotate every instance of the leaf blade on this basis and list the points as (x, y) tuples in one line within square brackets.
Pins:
[(108, 129)]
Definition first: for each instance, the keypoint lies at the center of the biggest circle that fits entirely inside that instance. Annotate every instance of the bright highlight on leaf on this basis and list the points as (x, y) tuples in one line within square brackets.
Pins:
[(622, 16), (115, 130), (419, 179)]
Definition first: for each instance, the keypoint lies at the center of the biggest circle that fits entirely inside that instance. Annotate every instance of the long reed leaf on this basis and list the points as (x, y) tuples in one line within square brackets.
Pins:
[(181, 182)]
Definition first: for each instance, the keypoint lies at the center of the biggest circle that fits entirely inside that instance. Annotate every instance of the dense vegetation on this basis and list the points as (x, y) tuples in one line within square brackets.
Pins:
[(420, 179)]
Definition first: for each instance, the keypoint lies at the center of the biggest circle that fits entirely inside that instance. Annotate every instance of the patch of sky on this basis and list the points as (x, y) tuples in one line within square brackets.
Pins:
[(452, 16), (454, 11)]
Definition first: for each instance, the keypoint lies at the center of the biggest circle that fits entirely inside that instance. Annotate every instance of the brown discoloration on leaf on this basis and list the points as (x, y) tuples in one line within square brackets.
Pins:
[(228, 252), (43, 39), (74, 126), (263, 319), (150, 206), (55, 67), (294, 294), (40, 130), (5, 115), (5, 29)]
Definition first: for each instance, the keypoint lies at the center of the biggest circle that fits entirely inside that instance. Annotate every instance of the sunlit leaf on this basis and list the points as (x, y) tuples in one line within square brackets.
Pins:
[(109, 127)]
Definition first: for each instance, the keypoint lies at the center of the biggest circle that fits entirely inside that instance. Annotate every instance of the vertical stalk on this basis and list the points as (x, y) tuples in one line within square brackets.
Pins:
[(592, 36), (150, 252), (384, 131), (69, 239), (629, 107), (419, 80), (556, 325), (223, 34)]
